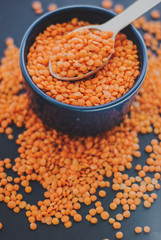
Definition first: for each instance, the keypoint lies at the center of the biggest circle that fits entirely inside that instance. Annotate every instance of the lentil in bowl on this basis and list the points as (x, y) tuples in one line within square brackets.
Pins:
[(76, 117)]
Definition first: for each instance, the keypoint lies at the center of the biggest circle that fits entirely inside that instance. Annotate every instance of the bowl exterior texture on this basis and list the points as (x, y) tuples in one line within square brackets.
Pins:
[(72, 119)]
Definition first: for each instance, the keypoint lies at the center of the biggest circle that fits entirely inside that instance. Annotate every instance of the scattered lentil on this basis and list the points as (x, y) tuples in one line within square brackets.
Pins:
[(126, 214), (28, 189), (1, 226), (146, 229), (37, 7), (118, 8), (52, 7), (86, 159), (155, 14), (92, 212), (138, 230), (94, 220), (107, 4), (111, 220), (105, 215), (102, 193), (119, 235), (113, 206), (55, 221), (119, 217), (116, 225), (33, 226), (77, 217)]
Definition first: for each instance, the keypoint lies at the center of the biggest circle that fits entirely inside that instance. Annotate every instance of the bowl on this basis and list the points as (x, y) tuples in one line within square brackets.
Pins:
[(77, 120)]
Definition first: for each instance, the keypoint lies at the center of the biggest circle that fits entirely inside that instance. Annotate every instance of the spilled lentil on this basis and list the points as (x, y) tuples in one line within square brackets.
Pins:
[(107, 4), (71, 169), (1, 226), (138, 230), (118, 8), (147, 229), (52, 7), (155, 14), (37, 7), (85, 160)]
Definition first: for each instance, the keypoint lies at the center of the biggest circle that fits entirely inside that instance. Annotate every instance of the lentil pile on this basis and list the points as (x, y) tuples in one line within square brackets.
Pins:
[(80, 52), (70, 169), (108, 84)]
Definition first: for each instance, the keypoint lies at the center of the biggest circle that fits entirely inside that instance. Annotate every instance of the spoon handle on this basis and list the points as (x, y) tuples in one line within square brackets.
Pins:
[(135, 10)]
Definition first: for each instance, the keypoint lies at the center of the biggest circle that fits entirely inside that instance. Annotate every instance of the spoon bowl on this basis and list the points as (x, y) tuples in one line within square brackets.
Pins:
[(91, 27), (76, 78)]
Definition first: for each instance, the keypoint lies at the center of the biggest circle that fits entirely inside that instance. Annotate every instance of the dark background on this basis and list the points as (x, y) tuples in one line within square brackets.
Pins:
[(15, 17)]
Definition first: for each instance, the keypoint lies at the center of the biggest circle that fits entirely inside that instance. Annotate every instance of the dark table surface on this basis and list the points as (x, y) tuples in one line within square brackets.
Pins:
[(15, 17)]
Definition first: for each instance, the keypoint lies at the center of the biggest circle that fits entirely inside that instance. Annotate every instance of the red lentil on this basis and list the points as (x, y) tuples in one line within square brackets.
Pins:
[(37, 7), (116, 225), (126, 214), (94, 220), (68, 224), (102, 193), (138, 229), (77, 217), (119, 217), (1, 226), (92, 212), (118, 8), (106, 4), (105, 215), (155, 14), (52, 7), (119, 235), (55, 221), (146, 229), (99, 209), (113, 206), (28, 189), (33, 226), (111, 220)]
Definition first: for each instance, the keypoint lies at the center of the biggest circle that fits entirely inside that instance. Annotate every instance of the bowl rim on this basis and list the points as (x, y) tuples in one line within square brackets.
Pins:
[(51, 100)]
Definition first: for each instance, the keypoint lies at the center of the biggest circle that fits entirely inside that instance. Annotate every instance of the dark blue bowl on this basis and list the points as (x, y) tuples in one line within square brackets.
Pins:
[(70, 119)]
